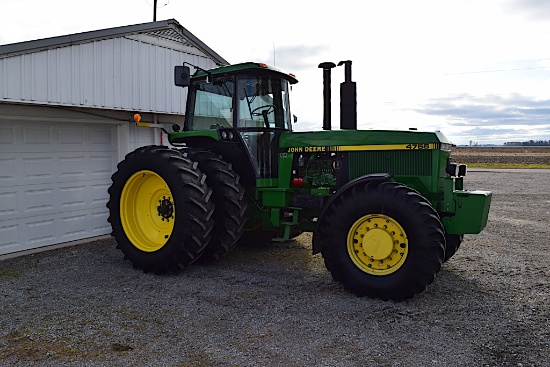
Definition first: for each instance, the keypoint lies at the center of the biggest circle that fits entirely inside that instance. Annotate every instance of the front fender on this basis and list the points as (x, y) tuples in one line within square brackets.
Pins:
[(373, 177)]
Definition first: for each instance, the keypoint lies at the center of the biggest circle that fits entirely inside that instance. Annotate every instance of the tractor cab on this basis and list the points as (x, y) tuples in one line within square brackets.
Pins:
[(245, 103)]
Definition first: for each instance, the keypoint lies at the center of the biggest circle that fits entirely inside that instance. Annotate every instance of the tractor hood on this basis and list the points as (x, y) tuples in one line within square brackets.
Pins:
[(346, 140)]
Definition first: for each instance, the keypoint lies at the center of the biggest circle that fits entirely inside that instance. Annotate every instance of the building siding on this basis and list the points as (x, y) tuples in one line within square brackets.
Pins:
[(119, 74), (66, 107)]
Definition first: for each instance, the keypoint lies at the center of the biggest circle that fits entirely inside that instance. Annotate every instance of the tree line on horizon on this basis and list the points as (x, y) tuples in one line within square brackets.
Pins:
[(530, 143)]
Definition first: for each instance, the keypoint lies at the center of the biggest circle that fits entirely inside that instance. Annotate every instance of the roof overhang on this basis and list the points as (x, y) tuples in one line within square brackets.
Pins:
[(165, 29)]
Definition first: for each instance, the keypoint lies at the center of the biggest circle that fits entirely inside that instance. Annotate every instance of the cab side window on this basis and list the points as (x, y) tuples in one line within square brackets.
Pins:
[(213, 105)]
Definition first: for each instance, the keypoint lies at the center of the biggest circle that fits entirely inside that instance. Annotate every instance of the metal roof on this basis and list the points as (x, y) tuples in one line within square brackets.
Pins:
[(126, 68), (169, 30)]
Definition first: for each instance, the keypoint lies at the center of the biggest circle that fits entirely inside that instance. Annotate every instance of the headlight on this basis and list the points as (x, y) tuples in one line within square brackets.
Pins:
[(452, 169), (461, 170), (456, 170)]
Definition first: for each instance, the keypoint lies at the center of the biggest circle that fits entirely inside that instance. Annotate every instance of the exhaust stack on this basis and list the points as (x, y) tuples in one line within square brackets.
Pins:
[(326, 66), (348, 99)]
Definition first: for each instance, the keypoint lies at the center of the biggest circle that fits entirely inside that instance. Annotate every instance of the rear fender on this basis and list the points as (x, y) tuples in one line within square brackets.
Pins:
[(374, 177)]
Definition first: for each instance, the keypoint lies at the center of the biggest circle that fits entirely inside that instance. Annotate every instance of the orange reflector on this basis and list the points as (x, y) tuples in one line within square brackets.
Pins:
[(137, 117), (262, 65), (292, 75)]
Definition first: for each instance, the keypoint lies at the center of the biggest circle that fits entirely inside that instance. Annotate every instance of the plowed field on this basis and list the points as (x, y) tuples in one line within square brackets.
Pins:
[(502, 155)]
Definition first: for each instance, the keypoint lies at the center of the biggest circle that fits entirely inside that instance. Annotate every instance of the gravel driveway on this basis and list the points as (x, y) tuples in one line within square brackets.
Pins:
[(278, 306)]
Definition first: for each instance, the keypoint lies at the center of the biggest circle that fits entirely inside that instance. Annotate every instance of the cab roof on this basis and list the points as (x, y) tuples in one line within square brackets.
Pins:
[(243, 67)]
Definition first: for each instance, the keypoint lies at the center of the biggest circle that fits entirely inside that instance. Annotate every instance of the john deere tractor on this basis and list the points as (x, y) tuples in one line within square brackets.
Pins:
[(386, 208)]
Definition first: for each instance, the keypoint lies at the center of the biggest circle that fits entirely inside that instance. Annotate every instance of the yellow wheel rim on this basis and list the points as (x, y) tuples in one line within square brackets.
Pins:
[(377, 244), (147, 211)]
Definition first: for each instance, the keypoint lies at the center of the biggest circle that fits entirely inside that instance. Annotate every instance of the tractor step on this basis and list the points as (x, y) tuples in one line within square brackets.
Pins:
[(288, 225)]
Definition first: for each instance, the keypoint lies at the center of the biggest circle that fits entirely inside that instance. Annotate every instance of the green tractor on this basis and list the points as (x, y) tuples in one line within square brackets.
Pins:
[(386, 208)]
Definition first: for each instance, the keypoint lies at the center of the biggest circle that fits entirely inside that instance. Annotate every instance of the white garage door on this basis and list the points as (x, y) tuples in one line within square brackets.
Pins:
[(53, 182)]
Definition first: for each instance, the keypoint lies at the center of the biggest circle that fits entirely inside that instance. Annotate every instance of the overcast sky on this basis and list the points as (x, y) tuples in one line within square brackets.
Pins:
[(478, 70)]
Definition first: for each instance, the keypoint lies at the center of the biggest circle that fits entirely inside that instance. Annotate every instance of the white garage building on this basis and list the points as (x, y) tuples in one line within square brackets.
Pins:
[(66, 108)]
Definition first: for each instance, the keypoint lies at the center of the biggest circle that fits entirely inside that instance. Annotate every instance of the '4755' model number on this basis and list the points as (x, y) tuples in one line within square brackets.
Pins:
[(418, 146)]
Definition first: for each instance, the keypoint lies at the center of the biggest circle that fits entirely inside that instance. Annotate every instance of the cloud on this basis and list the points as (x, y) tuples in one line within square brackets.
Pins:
[(298, 57), (486, 132), (533, 9), (467, 110), (492, 119), (496, 135)]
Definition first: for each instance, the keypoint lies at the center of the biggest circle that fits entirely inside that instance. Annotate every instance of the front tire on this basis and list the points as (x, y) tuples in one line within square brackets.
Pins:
[(382, 240), (160, 209), (453, 244)]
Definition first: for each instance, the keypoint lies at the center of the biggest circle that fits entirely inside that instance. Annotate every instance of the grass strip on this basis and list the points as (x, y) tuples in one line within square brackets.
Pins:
[(508, 165)]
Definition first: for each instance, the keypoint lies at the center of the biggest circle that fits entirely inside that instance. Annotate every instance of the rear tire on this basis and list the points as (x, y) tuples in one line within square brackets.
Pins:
[(228, 194), (382, 241), (160, 209)]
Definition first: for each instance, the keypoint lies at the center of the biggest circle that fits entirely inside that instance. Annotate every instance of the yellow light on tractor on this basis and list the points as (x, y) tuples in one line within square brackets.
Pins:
[(164, 127), (137, 119)]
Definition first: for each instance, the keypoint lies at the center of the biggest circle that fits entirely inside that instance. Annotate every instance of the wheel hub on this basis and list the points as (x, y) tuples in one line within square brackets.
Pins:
[(377, 244), (165, 208)]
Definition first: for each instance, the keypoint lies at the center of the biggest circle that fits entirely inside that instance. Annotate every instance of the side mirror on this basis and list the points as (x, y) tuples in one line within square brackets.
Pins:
[(182, 76), (295, 118)]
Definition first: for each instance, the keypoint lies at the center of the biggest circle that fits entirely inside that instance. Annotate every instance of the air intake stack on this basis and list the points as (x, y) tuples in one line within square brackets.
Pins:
[(326, 66), (348, 99)]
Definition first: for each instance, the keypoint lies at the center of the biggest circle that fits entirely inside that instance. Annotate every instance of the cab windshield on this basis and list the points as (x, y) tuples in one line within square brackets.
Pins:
[(262, 103)]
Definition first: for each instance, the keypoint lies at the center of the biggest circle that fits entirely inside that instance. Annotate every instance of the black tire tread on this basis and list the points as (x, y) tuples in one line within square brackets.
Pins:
[(194, 209), (228, 194), (453, 244), (424, 259)]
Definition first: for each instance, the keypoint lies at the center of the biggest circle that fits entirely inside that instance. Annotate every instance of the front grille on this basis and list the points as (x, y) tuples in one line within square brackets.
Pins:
[(395, 162)]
